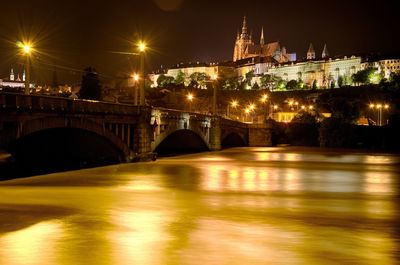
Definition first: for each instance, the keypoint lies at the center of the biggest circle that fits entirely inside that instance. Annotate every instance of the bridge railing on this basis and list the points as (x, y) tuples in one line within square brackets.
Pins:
[(12, 101)]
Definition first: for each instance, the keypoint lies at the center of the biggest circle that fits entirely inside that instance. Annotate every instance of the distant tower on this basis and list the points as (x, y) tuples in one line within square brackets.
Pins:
[(325, 52), (242, 42), (244, 29), (262, 37), (311, 52), (23, 75), (12, 75)]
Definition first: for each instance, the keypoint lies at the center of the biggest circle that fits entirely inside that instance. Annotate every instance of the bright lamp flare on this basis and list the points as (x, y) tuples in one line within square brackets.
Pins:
[(135, 77), (25, 47), (142, 46)]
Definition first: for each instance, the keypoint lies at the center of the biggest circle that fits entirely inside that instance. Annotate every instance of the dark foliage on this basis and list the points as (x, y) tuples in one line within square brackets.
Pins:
[(90, 88)]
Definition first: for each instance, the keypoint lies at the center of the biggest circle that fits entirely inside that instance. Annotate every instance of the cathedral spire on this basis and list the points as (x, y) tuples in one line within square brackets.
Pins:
[(310, 52), (238, 35), (244, 27), (262, 36), (12, 74), (325, 52)]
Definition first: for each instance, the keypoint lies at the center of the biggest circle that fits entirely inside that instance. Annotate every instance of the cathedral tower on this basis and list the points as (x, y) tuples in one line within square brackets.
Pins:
[(325, 52), (311, 52), (262, 37), (12, 77), (242, 41)]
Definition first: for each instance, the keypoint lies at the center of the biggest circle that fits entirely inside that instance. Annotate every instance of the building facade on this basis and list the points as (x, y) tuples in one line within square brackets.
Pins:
[(325, 72)]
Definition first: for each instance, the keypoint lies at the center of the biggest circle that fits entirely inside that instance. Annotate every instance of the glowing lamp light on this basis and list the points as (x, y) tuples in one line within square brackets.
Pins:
[(264, 98), (25, 47), (371, 106), (386, 106), (142, 46), (275, 107), (234, 103), (214, 77), (190, 97), (135, 77)]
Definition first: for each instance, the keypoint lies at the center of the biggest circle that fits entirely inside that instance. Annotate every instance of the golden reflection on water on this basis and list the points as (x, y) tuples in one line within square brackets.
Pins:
[(217, 177), (378, 182), (139, 237), (33, 245), (210, 211)]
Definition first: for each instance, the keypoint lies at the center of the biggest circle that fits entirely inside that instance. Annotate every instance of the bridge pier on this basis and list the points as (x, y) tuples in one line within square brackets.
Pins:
[(215, 134)]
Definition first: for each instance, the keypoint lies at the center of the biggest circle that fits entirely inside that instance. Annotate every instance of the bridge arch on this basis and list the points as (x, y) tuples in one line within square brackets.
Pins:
[(36, 126), (233, 139), (181, 141)]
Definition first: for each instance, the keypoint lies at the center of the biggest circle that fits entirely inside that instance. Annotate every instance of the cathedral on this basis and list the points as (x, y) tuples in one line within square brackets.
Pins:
[(245, 47)]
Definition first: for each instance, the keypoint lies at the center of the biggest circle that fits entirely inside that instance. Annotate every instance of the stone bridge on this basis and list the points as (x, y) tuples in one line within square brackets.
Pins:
[(132, 133)]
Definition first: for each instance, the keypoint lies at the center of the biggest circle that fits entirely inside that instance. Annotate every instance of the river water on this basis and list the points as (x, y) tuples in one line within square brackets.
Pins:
[(238, 206)]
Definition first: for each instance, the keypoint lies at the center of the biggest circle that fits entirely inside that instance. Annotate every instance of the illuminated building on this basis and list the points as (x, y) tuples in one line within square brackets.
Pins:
[(14, 83), (245, 47)]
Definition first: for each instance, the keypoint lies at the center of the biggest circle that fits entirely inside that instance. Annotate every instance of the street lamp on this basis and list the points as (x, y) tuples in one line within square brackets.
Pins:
[(142, 49), (214, 105), (26, 49), (232, 104), (379, 107), (190, 98), (135, 81)]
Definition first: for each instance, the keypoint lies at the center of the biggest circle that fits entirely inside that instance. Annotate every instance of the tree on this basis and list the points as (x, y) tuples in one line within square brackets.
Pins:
[(230, 83), (305, 117), (335, 132), (266, 81), (340, 81), (281, 84), (291, 85), (255, 86), (90, 87), (303, 129), (180, 78), (249, 77), (364, 76), (165, 80), (344, 109), (314, 85), (199, 80)]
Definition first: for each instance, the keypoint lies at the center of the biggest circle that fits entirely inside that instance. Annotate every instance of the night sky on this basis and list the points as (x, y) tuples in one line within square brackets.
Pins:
[(74, 34)]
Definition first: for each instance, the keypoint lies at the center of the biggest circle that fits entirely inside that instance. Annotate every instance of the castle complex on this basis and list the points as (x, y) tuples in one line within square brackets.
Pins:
[(316, 69)]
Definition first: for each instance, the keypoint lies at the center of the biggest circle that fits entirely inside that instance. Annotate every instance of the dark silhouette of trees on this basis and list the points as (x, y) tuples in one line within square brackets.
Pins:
[(90, 87)]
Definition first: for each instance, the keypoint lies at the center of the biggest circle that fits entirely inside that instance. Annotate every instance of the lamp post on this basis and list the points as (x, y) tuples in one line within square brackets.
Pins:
[(214, 105), (142, 48), (190, 99), (379, 107), (232, 104), (264, 99), (26, 50), (135, 88)]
